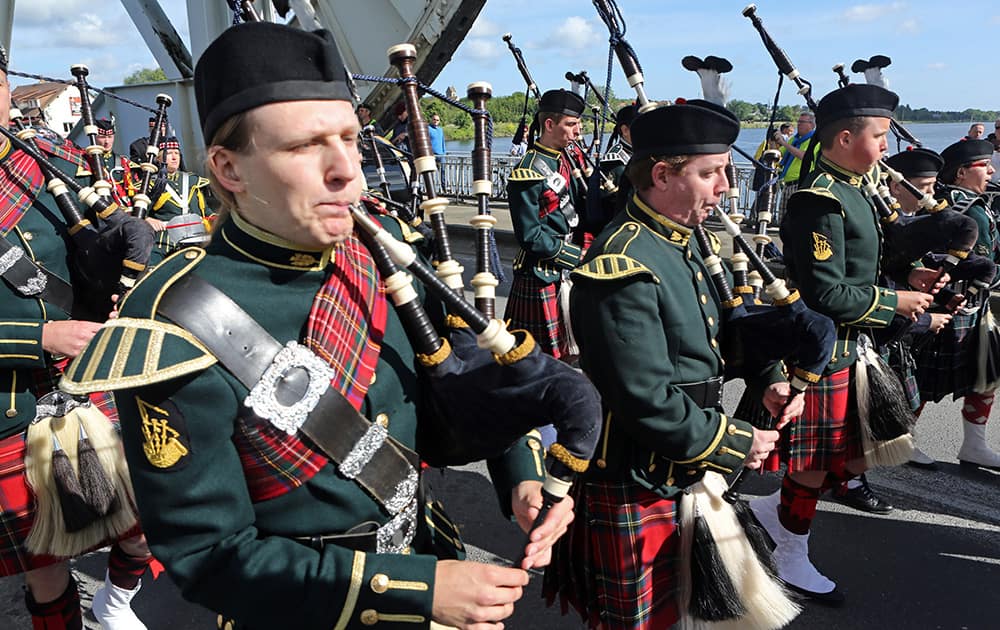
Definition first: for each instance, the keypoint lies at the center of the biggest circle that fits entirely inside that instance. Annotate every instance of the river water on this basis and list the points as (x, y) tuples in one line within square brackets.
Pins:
[(933, 135)]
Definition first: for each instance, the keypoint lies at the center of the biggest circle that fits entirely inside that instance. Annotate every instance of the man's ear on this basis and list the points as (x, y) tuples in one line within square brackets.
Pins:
[(224, 166), (660, 175)]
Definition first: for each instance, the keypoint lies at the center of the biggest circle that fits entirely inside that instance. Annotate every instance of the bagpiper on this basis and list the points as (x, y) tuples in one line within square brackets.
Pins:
[(544, 199), (184, 194)]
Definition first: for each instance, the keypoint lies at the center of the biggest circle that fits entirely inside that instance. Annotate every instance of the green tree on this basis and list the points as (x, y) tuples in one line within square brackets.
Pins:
[(145, 75)]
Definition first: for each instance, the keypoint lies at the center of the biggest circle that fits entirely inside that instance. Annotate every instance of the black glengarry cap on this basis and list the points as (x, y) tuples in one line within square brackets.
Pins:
[(562, 101), (965, 152), (692, 128), (258, 63), (916, 163), (857, 99)]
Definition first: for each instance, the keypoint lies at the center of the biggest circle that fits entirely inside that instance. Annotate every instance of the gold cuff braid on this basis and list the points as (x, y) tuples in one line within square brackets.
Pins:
[(559, 452)]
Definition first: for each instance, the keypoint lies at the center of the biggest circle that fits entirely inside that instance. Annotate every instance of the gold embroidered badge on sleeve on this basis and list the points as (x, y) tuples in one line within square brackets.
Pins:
[(821, 247), (160, 442)]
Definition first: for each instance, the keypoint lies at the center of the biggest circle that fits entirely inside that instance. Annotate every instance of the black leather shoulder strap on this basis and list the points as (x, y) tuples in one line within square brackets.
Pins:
[(361, 449)]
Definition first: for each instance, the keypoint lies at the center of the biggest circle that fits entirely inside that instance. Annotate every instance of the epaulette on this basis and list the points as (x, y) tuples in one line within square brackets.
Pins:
[(616, 155), (714, 241), (525, 175), (201, 183), (822, 186), (615, 263), (613, 267), (135, 349)]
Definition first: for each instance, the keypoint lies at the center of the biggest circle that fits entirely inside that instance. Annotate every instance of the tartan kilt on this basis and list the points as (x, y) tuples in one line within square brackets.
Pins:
[(900, 358), (17, 504), (826, 436), (946, 361), (534, 306), (618, 563)]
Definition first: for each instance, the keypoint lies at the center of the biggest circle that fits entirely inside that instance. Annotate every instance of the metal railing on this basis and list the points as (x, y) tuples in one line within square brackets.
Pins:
[(455, 172)]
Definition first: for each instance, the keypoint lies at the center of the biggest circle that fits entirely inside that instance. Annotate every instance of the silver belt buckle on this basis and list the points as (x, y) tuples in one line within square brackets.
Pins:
[(263, 400)]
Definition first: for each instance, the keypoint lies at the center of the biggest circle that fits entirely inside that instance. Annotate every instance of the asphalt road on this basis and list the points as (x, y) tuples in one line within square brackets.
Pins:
[(934, 562)]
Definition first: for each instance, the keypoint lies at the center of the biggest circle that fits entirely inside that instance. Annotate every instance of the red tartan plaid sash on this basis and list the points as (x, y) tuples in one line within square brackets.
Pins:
[(347, 321), (346, 326), (21, 180)]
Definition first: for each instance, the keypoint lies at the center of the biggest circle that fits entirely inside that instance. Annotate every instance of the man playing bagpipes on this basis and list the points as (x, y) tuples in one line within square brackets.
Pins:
[(613, 164), (833, 246), (117, 166), (37, 334), (949, 363), (184, 195), (650, 325), (265, 489), (545, 200), (920, 167)]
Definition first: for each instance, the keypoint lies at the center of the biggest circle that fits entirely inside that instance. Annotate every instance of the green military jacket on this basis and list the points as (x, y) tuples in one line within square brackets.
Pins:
[(833, 247), (614, 161), (648, 319), (544, 202), (181, 413), (42, 235), (974, 206)]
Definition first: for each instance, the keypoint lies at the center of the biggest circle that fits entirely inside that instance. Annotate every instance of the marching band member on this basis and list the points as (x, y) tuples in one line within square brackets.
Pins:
[(832, 248), (117, 166), (648, 319), (36, 336), (614, 161), (545, 200), (250, 517), (947, 365), (183, 193)]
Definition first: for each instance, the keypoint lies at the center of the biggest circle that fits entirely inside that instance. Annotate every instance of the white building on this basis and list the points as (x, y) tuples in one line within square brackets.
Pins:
[(59, 104)]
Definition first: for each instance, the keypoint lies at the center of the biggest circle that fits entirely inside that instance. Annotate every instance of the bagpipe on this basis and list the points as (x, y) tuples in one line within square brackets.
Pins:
[(575, 156), (907, 239), (489, 387), (885, 416), (732, 578), (588, 177), (150, 169), (109, 249)]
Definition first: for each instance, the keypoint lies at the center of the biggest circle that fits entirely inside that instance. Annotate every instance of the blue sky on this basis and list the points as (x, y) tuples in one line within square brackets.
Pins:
[(941, 56)]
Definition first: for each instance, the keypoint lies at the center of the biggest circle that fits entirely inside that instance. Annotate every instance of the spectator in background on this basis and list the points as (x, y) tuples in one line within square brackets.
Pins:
[(400, 132), (793, 151), (436, 133), (786, 130), (995, 158), (976, 131), (365, 118)]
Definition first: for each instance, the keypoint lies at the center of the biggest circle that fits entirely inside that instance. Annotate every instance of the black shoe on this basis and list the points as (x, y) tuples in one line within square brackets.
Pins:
[(863, 498), (834, 598)]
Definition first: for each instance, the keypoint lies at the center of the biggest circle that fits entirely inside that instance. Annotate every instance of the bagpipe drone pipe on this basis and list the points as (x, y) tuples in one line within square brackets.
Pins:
[(732, 577), (907, 239), (488, 387), (110, 249), (587, 176), (886, 419)]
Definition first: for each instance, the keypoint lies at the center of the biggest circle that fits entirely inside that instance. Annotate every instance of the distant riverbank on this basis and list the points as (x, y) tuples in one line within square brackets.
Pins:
[(934, 136)]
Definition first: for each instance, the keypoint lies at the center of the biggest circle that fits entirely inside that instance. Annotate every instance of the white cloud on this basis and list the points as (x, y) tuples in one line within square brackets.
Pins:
[(909, 26), (574, 33), (484, 27), (871, 12), (89, 31), (479, 49), (48, 12), (937, 65)]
